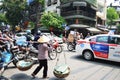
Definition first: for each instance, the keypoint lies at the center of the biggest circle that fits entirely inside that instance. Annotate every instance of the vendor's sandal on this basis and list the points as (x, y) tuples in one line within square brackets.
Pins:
[(33, 76), (45, 77)]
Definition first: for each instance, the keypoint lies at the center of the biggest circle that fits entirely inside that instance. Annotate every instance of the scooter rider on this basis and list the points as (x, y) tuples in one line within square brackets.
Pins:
[(6, 37), (37, 36)]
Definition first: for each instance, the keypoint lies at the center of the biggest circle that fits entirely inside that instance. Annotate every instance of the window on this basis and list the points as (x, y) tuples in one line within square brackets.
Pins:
[(54, 2), (49, 3), (103, 39), (92, 39), (114, 40)]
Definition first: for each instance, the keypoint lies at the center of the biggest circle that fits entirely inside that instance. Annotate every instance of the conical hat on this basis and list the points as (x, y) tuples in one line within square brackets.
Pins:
[(43, 39)]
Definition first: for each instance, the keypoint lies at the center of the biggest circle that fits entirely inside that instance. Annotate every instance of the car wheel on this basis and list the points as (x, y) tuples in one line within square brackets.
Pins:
[(88, 55)]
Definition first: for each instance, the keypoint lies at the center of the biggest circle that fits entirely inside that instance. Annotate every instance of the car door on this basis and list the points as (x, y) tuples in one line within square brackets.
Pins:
[(114, 48), (100, 47)]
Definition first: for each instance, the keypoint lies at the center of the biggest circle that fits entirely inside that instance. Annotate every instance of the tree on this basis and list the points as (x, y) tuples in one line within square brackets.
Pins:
[(35, 9), (13, 11), (111, 15), (2, 19), (52, 20)]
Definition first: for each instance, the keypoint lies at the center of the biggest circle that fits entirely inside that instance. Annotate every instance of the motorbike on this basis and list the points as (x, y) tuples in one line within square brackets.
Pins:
[(6, 57), (57, 47), (33, 52), (51, 54), (70, 46), (13, 55), (25, 50)]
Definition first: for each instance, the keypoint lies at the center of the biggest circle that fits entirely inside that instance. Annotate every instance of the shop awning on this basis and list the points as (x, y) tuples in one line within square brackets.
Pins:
[(94, 30), (78, 26)]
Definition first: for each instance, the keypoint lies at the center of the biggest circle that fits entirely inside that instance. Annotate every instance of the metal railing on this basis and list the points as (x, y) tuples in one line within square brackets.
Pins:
[(77, 12)]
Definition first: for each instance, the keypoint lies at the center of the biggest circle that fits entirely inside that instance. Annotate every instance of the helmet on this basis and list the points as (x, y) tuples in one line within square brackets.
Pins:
[(38, 32), (6, 30), (28, 31)]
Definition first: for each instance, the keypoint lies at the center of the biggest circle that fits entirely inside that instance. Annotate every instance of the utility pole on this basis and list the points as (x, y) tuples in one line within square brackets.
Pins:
[(105, 13)]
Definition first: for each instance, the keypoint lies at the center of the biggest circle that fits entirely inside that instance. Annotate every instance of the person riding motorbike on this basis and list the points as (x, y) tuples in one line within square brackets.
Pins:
[(5, 37), (37, 36), (72, 40)]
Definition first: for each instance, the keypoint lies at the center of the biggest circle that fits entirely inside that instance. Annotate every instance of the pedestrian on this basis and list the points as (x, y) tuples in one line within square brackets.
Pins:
[(78, 35), (81, 36), (88, 35), (43, 49)]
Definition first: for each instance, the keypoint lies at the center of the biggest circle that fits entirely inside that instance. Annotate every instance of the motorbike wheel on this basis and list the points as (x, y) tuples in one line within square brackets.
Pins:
[(19, 56), (52, 55), (59, 49), (33, 55), (70, 47), (16, 55), (15, 62), (3, 78)]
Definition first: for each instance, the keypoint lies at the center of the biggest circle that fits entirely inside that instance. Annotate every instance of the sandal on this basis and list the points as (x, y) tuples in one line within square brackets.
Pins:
[(33, 76)]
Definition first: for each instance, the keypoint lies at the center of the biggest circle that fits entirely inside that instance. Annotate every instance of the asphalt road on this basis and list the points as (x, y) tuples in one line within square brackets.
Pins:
[(80, 69)]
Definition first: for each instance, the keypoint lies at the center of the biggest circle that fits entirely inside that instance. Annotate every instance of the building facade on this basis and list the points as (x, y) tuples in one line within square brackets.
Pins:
[(74, 11), (81, 12), (51, 5), (101, 12)]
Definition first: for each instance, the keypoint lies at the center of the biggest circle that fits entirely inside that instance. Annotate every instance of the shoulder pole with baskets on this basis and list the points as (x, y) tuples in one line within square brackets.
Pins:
[(61, 70)]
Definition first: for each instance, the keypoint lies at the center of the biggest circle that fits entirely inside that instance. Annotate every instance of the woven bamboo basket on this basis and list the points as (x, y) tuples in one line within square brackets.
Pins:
[(24, 65), (61, 74)]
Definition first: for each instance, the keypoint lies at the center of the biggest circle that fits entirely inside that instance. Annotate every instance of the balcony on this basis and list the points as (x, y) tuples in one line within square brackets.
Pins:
[(92, 2), (78, 12)]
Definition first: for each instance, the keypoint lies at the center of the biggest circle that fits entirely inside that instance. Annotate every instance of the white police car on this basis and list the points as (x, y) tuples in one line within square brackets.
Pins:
[(103, 46)]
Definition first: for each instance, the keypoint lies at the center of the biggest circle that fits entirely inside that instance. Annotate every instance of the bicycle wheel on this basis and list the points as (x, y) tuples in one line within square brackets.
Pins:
[(52, 54)]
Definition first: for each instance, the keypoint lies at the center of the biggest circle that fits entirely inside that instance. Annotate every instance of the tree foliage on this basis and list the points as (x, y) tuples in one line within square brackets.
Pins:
[(14, 10), (2, 18), (118, 28), (51, 19), (111, 15)]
